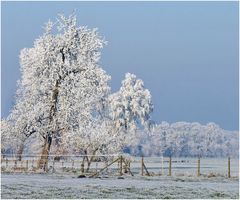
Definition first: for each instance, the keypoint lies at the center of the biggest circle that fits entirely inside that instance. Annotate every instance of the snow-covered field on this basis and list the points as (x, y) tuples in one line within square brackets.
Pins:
[(59, 186)]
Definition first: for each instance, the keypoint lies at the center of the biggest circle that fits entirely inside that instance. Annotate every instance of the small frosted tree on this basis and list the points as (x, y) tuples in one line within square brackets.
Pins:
[(22, 120), (5, 135), (115, 126), (130, 108), (89, 140)]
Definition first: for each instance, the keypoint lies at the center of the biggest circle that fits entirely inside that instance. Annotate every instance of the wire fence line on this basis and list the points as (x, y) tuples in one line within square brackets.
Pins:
[(119, 165), (56, 155)]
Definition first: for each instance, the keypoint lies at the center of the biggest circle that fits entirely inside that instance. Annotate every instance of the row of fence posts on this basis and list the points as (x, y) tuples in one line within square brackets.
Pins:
[(143, 167), (21, 163), (32, 166), (120, 159)]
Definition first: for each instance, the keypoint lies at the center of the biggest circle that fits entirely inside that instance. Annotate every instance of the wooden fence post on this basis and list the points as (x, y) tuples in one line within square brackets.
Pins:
[(106, 164), (162, 165), (62, 164), (229, 168), (15, 164), (121, 165), (142, 168), (82, 168), (26, 164), (6, 163), (198, 166), (45, 167), (96, 167), (72, 164), (53, 164), (170, 166)]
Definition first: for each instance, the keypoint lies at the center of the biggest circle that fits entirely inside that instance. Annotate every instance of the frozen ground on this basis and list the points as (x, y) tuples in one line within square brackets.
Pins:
[(33, 186)]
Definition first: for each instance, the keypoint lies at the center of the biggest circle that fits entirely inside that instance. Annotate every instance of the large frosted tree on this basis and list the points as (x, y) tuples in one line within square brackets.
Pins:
[(65, 83)]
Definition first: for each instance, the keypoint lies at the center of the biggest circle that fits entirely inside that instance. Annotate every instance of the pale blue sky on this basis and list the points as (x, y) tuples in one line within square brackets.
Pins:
[(185, 52)]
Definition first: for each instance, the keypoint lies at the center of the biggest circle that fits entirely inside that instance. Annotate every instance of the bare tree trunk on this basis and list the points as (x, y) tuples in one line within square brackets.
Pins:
[(43, 161), (58, 151), (89, 161), (229, 167), (20, 151), (198, 166), (88, 165)]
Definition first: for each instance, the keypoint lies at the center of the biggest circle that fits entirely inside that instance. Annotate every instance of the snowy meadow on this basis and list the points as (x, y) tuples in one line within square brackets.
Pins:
[(183, 183)]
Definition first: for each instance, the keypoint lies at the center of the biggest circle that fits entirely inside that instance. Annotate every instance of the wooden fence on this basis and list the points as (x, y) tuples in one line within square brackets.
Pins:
[(116, 165)]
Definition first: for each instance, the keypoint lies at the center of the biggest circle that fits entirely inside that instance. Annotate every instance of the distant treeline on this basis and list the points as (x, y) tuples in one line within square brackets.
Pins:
[(183, 139)]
